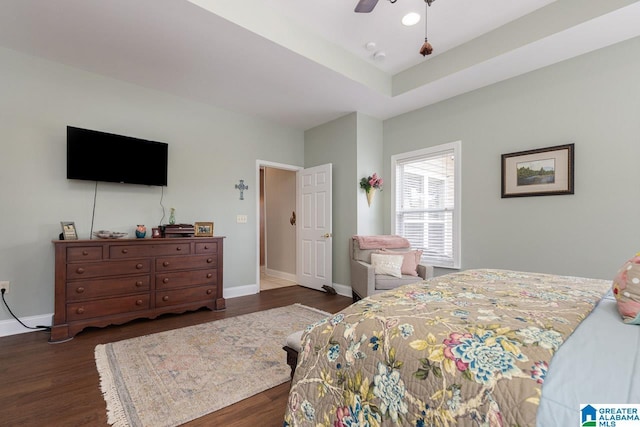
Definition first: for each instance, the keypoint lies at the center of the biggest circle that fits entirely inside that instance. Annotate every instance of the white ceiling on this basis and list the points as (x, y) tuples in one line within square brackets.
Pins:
[(451, 23), (302, 63)]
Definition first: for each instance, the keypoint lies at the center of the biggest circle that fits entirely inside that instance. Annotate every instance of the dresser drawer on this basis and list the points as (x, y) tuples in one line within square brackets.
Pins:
[(106, 307), (99, 288), (184, 296), (207, 248), (84, 253), (142, 251), (183, 263), (107, 268), (186, 278)]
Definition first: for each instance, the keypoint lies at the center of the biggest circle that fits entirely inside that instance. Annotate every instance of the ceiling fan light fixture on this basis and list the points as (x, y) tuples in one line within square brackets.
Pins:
[(410, 19), (426, 48)]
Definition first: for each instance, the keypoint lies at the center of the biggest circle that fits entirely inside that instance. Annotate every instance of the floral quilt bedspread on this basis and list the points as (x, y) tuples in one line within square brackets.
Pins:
[(465, 349)]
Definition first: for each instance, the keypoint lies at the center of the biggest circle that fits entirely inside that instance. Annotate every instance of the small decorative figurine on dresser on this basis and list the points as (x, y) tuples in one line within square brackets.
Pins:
[(141, 231), (172, 216)]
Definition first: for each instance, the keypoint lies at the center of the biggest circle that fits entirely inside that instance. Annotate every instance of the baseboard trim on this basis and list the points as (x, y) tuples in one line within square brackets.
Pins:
[(13, 327), (280, 275), (241, 291), (343, 290)]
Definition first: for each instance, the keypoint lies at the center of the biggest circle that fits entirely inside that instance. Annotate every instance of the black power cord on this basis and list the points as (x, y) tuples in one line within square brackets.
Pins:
[(44, 328), (162, 197), (93, 215)]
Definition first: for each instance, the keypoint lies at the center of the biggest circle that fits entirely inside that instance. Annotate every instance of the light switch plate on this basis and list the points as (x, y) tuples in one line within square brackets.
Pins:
[(241, 219)]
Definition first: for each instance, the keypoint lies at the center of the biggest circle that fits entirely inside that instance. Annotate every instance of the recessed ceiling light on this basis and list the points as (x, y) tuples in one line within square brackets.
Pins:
[(370, 46), (410, 19)]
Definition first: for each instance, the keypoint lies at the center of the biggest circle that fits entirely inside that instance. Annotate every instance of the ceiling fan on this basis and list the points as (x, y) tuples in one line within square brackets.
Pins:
[(366, 6)]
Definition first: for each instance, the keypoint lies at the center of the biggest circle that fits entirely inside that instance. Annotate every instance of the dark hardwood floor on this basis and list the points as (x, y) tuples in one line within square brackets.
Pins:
[(44, 384)]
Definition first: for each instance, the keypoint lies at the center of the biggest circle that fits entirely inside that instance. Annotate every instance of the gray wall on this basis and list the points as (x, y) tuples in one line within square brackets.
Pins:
[(369, 160), (210, 149), (280, 202), (335, 143), (353, 144), (592, 101)]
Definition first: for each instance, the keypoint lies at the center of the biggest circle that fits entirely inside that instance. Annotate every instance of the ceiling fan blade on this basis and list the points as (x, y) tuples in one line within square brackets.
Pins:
[(365, 6)]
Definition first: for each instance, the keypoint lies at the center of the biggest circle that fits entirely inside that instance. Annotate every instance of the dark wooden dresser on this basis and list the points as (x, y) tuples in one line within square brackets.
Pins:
[(111, 281)]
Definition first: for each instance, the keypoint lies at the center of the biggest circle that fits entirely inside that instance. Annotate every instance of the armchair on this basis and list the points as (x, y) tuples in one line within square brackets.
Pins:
[(365, 282)]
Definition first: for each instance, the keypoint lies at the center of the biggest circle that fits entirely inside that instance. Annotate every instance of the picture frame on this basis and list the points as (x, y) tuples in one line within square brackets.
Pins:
[(541, 172), (68, 230), (203, 229)]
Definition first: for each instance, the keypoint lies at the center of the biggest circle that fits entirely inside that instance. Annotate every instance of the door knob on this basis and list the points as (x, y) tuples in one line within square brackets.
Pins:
[(326, 235)]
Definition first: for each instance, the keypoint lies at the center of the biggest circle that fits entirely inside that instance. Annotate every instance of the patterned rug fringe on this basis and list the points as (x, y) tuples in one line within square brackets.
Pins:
[(115, 411)]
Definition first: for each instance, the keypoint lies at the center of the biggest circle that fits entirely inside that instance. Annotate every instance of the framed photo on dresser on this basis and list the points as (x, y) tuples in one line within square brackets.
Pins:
[(203, 229), (69, 230)]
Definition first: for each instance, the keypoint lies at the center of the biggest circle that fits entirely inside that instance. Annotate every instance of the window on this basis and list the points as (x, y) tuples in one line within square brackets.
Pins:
[(426, 202)]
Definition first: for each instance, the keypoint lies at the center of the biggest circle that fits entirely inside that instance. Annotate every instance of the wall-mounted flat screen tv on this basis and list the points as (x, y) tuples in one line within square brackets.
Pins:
[(101, 156)]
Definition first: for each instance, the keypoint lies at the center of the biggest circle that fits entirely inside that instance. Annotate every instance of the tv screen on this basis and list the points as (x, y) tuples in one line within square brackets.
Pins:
[(101, 156)]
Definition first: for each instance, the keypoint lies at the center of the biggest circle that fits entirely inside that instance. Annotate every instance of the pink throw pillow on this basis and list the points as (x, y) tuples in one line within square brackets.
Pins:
[(410, 261), (626, 289)]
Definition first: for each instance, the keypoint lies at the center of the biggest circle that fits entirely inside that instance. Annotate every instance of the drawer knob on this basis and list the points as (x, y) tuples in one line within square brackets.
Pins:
[(206, 247), (80, 290), (125, 251), (209, 291), (138, 266), (178, 248), (139, 283), (80, 270), (165, 298), (85, 253), (165, 280), (80, 310), (139, 302), (209, 275), (209, 260), (165, 264)]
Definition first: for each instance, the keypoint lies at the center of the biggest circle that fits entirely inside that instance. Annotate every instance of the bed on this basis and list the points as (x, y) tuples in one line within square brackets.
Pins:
[(468, 349)]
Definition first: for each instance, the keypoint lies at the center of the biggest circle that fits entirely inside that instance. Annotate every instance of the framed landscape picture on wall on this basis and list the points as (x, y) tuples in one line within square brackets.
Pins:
[(541, 172)]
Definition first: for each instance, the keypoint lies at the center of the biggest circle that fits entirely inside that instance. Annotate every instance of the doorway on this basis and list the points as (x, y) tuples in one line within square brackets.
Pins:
[(277, 225)]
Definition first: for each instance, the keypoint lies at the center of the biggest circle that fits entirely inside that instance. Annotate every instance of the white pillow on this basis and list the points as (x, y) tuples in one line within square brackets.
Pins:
[(387, 264)]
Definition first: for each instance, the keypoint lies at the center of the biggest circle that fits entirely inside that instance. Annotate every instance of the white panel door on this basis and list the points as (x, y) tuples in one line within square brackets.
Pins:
[(314, 227)]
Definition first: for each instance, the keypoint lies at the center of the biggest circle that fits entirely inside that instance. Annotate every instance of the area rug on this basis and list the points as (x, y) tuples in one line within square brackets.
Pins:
[(172, 377)]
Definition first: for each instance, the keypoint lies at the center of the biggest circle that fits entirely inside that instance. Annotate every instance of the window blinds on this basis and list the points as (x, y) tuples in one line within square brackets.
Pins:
[(425, 205)]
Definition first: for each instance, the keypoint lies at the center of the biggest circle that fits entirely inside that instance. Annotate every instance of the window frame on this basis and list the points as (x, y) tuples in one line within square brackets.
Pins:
[(433, 151)]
